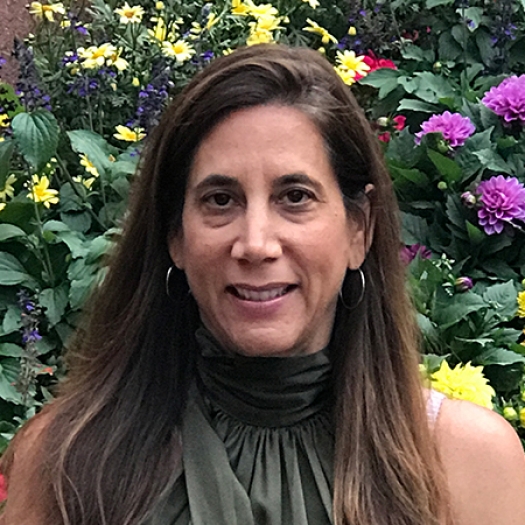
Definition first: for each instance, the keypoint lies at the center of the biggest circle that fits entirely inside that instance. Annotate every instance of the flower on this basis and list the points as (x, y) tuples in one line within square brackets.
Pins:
[(259, 36), (238, 8), (46, 11), (522, 417), (8, 190), (351, 67), (410, 252), (313, 3), (521, 305), (510, 414), (315, 28), (180, 50), (454, 127), (507, 99), (502, 200), (468, 199), (39, 191), (129, 135), (87, 183), (3, 488), (90, 167), (97, 56), (375, 63), (463, 382), (130, 14)]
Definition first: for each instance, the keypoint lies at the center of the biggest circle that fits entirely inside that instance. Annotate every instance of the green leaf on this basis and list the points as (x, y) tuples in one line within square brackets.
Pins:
[(492, 161), (94, 146), (472, 14), (12, 321), (10, 231), (378, 77), (451, 310), (10, 350), (412, 175), (408, 104), (12, 272), (450, 171), (403, 150), (434, 3), (414, 228), (499, 356), (71, 239), (54, 300), (9, 370), (412, 52), (502, 297), (6, 152), (475, 235), (36, 134)]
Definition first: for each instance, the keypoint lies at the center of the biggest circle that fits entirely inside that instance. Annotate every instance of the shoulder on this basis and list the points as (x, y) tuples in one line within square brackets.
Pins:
[(484, 463), (20, 465)]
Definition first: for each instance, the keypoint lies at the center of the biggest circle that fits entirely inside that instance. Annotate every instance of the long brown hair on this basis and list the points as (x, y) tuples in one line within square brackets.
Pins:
[(112, 444)]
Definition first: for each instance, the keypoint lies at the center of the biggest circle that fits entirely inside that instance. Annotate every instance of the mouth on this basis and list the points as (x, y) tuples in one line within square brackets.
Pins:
[(260, 294)]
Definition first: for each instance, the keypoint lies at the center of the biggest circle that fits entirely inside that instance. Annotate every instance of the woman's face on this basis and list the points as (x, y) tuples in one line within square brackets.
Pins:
[(265, 239)]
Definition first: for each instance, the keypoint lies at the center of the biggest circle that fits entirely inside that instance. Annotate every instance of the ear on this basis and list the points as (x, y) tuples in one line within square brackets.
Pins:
[(360, 231), (176, 249)]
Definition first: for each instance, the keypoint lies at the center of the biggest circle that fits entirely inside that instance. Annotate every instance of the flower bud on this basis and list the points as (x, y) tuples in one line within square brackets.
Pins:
[(468, 199), (442, 146), (510, 414), (442, 185), (352, 31), (522, 417), (463, 284), (437, 66), (383, 122)]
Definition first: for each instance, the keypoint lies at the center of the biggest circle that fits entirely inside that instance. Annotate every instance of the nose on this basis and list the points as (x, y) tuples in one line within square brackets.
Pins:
[(257, 240)]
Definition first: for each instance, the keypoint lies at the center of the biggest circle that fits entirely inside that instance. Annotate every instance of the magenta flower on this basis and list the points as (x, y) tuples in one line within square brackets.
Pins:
[(508, 99), (409, 253), (502, 200), (454, 127)]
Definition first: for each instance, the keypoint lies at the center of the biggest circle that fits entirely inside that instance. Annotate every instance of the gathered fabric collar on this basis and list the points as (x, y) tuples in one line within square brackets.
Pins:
[(263, 391)]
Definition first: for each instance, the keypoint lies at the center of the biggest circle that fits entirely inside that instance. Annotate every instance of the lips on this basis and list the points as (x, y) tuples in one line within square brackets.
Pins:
[(260, 294)]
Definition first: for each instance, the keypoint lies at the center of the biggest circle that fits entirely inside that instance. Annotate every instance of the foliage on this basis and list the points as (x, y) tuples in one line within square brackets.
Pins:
[(95, 79)]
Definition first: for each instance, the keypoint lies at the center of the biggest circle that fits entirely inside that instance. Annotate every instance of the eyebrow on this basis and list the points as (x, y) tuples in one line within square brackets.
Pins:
[(224, 181)]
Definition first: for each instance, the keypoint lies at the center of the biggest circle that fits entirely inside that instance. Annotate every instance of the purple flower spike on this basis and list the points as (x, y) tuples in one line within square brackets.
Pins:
[(507, 99), (502, 201), (454, 127)]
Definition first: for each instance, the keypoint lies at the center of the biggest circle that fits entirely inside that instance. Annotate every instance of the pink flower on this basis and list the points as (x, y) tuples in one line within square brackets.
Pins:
[(507, 99), (385, 137), (3, 488), (502, 200), (399, 121), (454, 127)]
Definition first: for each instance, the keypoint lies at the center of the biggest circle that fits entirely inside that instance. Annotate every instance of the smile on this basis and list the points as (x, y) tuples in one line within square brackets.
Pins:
[(260, 294)]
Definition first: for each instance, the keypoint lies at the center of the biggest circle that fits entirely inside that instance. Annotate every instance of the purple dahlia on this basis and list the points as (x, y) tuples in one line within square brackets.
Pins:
[(507, 99), (502, 200), (454, 127)]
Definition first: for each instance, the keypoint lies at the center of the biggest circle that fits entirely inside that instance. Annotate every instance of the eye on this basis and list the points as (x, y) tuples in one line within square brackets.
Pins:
[(218, 199), (297, 196)]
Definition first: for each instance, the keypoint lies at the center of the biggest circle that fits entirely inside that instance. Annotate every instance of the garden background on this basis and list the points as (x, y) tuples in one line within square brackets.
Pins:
[(441, 81)]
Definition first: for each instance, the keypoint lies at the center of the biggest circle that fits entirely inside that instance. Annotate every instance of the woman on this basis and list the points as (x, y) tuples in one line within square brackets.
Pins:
[(251, 356)]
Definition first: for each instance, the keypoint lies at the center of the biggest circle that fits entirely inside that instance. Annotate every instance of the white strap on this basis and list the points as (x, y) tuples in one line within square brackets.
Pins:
[(434, 402)]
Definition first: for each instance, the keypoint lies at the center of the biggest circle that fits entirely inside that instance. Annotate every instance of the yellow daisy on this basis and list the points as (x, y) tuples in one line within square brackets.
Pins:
[(315, 28), (521, 304), (130, 14), (8, 190), (180, 50), (88, 165), (39, 191), (352, 63), (129, 135), (46, 11), (313, 3)]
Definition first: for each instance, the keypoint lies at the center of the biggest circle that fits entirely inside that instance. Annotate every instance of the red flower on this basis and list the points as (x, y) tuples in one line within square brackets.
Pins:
[(399, 122), (3, 488), (384, 137), (375, 63)]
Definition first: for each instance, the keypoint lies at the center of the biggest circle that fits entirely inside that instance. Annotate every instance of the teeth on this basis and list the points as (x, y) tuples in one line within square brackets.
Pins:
[(265, 295)]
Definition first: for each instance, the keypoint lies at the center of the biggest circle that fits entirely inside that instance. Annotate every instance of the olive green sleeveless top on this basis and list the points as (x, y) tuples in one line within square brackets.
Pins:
[(258, 443)]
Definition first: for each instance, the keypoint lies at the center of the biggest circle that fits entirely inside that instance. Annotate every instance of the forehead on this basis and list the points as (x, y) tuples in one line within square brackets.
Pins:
[(262, 138)]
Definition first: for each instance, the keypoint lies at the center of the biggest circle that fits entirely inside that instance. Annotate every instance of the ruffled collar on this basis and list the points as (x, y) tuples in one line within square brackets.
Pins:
[(263, 391)]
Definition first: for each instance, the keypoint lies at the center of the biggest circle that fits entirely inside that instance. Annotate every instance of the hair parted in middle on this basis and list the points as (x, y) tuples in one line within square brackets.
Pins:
[(132, 362)]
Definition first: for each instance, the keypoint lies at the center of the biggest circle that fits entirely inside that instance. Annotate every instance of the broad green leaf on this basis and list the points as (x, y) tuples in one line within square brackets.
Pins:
[(10, 350), (36, 134), (472, 15), (449, 311), (412, 52), (403, 150), (10, 231), (378, 77), (94, 146), (408, 104), (486, 47), (12, 272), (9, 370), (475, 235), (72, 239), (54, 300), (12, 321), (434, 3), (499, 356), (492, 161), (449, 170), (449, 49), (412, 175), (6, 151), (414, 228), (502, 297)]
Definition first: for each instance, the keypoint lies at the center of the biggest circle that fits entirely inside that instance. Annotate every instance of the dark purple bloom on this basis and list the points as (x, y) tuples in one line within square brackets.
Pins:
[(454, 127), (31, 336), (409, 253), (508, 99), (502, 201), (463, 284)]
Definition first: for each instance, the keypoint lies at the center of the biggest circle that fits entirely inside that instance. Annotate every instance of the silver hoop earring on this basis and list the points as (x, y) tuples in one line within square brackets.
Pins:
[(349, 290), (167, 283)]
